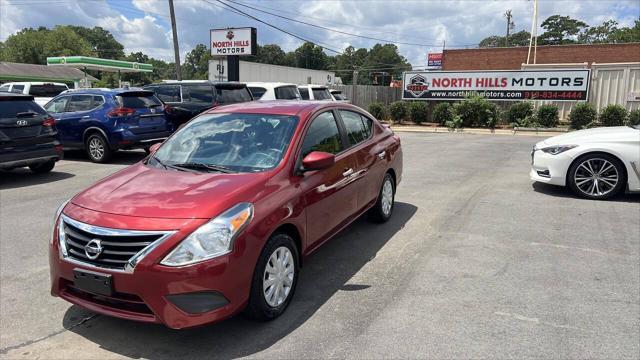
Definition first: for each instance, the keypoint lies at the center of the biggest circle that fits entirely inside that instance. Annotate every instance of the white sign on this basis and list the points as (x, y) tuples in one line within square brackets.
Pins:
[(241, 41), (557, 85)]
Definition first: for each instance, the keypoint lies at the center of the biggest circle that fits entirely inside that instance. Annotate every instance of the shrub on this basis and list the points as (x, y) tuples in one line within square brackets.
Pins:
[(378, 110), (418, 111), (442, 113), (547, 116), (398, 111), (634, 117), (454, 123), (582, 115), (475, 111), (613, 115), (518, 112)]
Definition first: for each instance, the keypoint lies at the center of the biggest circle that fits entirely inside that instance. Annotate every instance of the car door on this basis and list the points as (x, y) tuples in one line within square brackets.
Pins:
[(329, 195), (370, 155), (77, 118), (58, 108)]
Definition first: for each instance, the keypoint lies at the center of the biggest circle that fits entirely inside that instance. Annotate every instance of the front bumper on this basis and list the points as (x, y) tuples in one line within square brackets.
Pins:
[(178, 297), (550, 169)]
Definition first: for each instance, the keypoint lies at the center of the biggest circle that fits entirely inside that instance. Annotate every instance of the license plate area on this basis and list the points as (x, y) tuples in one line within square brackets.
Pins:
[(93, 282)]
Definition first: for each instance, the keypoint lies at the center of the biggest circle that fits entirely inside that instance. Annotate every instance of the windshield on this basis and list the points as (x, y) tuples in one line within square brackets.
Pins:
[(237, 142), (321, 94), (287, 93), (232, 95), (138, 100)]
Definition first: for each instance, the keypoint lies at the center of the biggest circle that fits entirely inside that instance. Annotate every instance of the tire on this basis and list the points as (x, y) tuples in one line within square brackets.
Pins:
[(42, 168), (97, 148), (383, 209), (260, 306), (597, 176)]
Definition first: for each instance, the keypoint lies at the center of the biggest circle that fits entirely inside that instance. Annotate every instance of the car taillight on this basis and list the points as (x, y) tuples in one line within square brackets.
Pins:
[(168, 109), (123, 111), (49, 122)]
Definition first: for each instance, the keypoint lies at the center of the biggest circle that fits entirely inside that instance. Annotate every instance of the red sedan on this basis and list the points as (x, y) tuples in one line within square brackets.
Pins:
[(219, 218)]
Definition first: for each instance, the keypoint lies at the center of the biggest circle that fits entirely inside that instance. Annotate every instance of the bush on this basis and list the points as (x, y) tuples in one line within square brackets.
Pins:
[(443, 113), (634, 117), (454, 123), (378, 110), (418, 111), (475, 111), (582, 115), (518, 112), (398, 111), (613, 115), (547, 116)]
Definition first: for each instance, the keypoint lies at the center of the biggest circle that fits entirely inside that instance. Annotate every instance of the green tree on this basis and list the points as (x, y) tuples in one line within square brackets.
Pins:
[(102, 42), (310, 56), (521, 38), (627, 34), (560, 30), (196, 63), (599, 34), (349, 60), (270, 54), (383, 58), (33, 46)]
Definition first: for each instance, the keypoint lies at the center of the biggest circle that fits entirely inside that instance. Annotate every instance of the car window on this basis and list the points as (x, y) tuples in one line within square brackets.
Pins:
[(257, 92), (97, 101), (58, 105), (17, 88), (232, 95), (321, 94), (339, 97), (80, 103), (304, 93), (4, 88), (358, 127), (169, 93), (46, 90), (201, 94), (9, 108), (287, 93), (323, 135), (138, 100)]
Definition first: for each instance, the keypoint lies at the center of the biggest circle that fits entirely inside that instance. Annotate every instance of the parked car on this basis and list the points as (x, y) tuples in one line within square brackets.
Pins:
[(595, 163), (102, 121), (187, 99), (220, 216), (41, 91), (315, 92), (338, 96), (28, 135), (274, 91)]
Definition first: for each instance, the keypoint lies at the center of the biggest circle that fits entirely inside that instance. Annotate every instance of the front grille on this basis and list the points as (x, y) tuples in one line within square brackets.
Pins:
[(118, 247), (118, 301)]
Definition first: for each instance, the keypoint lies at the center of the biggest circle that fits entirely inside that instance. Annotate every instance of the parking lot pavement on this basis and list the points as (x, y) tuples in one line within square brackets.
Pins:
[(476, 262)]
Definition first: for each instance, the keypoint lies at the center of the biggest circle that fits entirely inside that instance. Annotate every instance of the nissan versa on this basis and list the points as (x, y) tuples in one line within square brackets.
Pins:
[(218, 218)]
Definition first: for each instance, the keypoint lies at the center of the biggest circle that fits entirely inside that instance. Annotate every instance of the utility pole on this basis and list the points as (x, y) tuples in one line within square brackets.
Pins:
[(510, 25), (534, 33), (176, 49)]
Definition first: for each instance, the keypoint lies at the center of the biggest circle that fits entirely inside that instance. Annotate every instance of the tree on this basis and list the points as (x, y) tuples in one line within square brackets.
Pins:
[(521, 38), (349, 60), (196, 63), (270, 54), (598, 34), (383, 59), (560, 30), (627, 34), (310, 56), (33, 46), (102, 42)]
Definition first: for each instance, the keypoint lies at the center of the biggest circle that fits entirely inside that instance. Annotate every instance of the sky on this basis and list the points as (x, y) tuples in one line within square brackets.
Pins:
[(144, 25)]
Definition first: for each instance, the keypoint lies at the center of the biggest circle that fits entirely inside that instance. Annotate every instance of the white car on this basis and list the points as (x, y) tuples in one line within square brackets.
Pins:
[(339, 96), (595, 163), (315, 92), (41, 91), (273, 91)]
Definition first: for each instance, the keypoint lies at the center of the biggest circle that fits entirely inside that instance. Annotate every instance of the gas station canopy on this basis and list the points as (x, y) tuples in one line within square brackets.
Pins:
[(91, 63)]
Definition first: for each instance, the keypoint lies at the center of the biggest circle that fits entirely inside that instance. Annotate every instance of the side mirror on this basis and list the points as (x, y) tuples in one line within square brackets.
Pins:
[(318, 160), (154, 148)]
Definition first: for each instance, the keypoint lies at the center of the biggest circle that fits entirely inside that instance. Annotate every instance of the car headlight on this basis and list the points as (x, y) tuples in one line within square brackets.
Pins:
[(56, 217), (557, 149), (213, 239)]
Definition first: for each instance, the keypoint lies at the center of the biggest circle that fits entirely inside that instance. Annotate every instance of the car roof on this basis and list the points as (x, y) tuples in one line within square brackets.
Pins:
[(313, 86), (194, 82), (15, 96), (35, 83), (103, 91), (281, 107), (269, 84)]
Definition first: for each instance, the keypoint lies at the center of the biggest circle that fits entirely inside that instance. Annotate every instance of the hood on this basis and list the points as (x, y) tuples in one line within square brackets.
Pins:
[(594, 135), (142, 191)]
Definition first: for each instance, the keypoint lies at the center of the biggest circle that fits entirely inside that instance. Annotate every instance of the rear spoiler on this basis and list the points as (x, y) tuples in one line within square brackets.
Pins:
[(230, 85), (136, 93)]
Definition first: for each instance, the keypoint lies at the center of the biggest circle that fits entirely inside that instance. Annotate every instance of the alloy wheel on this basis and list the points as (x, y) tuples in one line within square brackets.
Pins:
[(96, 148), (596, 177), (278, 276), (387, 196)]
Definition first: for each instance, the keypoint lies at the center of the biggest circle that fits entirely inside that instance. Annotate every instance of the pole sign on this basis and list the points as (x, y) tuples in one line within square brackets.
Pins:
[(239, 41), (556, 85), (434, 60)]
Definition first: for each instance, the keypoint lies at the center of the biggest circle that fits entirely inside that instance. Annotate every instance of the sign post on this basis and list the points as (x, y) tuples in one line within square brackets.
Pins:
[(233, 43)]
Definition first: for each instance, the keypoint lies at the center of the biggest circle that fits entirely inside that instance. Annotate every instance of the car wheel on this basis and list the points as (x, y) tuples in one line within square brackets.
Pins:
[(98, 148), (596, 176), (274, 279), (382, 210), (42, 168)]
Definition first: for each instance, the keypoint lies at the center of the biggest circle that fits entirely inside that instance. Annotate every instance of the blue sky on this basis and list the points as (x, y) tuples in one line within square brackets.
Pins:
[(143, 25)]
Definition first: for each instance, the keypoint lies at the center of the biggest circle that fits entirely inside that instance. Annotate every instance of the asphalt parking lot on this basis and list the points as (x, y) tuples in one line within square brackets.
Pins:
[(476, 262)]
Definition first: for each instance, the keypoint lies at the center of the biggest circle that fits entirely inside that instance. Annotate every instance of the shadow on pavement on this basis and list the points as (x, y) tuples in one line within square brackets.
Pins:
[(564, 192), (22, 177), (119, 157), (324, 273)]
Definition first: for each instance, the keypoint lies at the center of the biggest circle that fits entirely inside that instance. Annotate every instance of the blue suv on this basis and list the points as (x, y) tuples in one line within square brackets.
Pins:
[(102, 121)]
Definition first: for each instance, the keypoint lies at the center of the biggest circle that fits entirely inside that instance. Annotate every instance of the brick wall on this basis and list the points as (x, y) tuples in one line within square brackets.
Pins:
[(512, 58)]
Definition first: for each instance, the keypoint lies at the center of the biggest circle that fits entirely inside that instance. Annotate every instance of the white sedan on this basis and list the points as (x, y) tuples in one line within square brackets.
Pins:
[(595, 163)]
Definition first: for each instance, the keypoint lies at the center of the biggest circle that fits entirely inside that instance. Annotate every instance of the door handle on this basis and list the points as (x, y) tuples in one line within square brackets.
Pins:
[(347, 172), (382, 155), (86, 117)]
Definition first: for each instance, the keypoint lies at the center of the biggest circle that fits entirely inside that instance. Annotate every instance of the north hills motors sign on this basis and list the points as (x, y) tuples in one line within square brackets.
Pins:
[(238, 41), (556, 85)]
